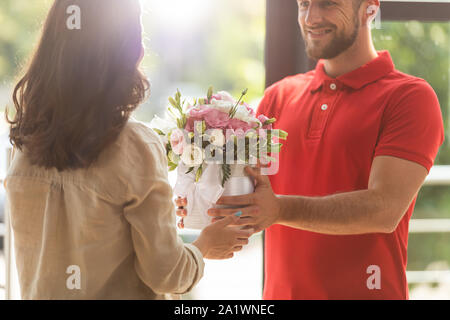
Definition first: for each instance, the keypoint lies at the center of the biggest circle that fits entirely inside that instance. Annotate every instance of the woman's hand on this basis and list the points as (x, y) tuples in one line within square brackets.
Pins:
[(181, 203), (220, 240)]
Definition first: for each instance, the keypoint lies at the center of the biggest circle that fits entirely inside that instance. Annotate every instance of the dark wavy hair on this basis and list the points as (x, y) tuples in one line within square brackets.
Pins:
[(81, 85)]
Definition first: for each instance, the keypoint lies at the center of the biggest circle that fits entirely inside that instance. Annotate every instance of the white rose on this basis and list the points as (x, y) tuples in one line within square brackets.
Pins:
[(245, 115), (192, 156), (162, 124), (216, 137), (226, 96), (221, 105)]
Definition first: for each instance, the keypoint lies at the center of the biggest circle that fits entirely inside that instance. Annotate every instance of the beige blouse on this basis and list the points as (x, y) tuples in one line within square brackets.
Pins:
[(107, 232)]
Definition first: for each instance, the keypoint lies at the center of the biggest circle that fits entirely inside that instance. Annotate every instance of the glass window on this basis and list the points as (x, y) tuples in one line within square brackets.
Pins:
[(422, 49), (192, 45)]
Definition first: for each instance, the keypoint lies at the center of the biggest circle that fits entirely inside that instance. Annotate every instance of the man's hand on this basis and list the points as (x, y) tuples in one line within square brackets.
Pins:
[(259, 210)]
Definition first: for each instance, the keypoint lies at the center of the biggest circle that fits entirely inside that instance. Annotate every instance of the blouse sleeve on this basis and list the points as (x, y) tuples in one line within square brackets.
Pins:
[(163, 261)]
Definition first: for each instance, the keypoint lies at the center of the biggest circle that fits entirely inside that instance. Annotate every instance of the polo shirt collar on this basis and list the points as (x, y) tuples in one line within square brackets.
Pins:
[(356, 79)]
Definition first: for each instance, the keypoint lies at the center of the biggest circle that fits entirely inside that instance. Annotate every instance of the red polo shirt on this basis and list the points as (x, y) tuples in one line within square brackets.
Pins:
[(336, 128)]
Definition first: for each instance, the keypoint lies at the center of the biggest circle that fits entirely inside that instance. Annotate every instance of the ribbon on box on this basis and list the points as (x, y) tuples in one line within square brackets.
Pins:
[(201, 195)]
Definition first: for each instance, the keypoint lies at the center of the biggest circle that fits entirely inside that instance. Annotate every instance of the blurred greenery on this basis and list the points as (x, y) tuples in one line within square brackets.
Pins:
[(423, 50), (225, 48), (222, 46), (19, 21)]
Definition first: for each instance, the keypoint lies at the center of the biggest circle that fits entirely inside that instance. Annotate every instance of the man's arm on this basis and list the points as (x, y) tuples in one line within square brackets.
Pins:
[(393, 184)]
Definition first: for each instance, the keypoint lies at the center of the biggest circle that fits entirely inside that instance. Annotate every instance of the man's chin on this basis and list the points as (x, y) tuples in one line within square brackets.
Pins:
[(315, 54), (318, 53)]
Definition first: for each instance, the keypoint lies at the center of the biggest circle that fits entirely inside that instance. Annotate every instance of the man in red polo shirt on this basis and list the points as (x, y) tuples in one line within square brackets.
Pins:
[(362, 139)]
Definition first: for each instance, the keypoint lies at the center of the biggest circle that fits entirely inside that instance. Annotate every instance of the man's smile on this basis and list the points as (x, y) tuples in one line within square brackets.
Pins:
[(318, 33)]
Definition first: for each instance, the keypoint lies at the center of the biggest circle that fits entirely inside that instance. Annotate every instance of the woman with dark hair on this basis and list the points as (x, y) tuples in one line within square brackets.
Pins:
[(87, 191)]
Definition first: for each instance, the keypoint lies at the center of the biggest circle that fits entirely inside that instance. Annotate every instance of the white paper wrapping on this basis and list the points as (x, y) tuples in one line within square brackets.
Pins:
[(203, 195)]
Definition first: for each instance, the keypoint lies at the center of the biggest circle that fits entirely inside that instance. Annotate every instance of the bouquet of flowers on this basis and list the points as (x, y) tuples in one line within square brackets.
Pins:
[(210, 141)]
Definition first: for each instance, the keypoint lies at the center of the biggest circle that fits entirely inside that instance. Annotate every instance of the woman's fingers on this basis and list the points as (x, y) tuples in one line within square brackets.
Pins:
[(243, 212), (181, 212), (243, 221), (242, 242), (180, 202), (181, 224), (238, 248), (246, 221), (246, 233), (242, 200), (229, 256)]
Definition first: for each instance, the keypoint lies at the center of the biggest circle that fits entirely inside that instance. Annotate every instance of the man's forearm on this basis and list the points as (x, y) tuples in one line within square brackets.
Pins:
[(358, 212)]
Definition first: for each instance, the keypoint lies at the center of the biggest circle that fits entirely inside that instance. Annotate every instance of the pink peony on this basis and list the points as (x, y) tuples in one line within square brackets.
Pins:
[(239, 133), (237, 124), (177, 141), (214, 119), (252, 112), (223, 95)]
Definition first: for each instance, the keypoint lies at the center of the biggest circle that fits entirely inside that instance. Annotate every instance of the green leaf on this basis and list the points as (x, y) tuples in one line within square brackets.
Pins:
[(159, 132), (210, 93), (283, 135), (233, 110), (270, 121), (279, 133), (190, 170), (172, 113), (178, 97), (198, 174), (173, 103), (203, 127), (226, 173), (275, 148), (172, 166), (183, 120), (173, 158)]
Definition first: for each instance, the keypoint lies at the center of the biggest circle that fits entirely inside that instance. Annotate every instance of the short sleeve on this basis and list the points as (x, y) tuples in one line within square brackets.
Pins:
[(267, 105), (412, 127), (263, 105)]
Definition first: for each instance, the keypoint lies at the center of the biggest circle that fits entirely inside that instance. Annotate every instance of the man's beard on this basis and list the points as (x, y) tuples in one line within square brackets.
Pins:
[(335, 47)]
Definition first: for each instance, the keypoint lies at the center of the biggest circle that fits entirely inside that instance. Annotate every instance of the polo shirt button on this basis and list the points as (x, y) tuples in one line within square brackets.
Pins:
[(333, 86), (324, 107)]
